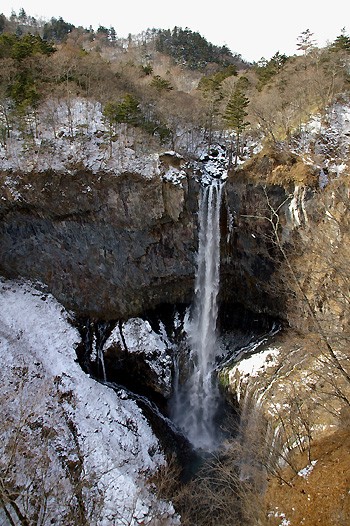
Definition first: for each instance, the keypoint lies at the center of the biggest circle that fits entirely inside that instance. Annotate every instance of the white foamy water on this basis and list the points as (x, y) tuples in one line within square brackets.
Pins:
[(196, 400)]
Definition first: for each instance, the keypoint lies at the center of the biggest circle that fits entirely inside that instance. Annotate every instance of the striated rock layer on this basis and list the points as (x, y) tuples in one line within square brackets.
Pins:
[(105, 246), (111, 247)]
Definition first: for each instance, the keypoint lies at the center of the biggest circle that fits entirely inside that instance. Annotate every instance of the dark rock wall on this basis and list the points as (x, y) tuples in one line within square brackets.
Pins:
[(111, 247), (105, 246), (250, 257)]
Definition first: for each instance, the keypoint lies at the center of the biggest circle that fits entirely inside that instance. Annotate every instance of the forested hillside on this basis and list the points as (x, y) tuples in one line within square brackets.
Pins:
[(162, 88)]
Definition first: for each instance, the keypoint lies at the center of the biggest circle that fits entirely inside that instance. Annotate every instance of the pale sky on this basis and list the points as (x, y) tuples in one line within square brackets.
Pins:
[(255, 28)]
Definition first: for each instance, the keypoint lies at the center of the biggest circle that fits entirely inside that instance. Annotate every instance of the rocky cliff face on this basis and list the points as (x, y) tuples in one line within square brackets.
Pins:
[(293, 234), (105, 246), (250, 259), (113, 246)]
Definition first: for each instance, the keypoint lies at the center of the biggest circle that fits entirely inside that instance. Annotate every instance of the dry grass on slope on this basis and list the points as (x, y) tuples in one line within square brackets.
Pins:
[(320, 498), (277, 167)]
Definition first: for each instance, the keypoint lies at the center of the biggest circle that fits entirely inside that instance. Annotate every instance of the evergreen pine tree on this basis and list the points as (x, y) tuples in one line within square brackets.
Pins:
[(112, 34), (342, 42), (235, 116), (305, 42)]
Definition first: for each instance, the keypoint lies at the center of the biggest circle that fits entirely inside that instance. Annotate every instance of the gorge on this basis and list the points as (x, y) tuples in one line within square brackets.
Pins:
[(174, 280), (126, 255)]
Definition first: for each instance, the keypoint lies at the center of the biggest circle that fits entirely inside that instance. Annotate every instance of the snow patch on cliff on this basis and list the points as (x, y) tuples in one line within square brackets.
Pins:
[(72, 135), (175, 176), (138, 337), (324, 141), (257, 363), (250, 367)]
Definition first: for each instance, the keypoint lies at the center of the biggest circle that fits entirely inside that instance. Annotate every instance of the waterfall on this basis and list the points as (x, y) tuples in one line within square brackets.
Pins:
[(196, 401), (102, 362)]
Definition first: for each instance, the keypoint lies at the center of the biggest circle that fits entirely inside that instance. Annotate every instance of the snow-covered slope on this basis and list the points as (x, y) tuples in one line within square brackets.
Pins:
[(72, 135), (98, 437), (324, 141)]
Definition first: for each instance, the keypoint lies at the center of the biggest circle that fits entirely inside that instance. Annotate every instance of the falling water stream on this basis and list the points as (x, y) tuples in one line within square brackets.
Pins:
[(196, 401)]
